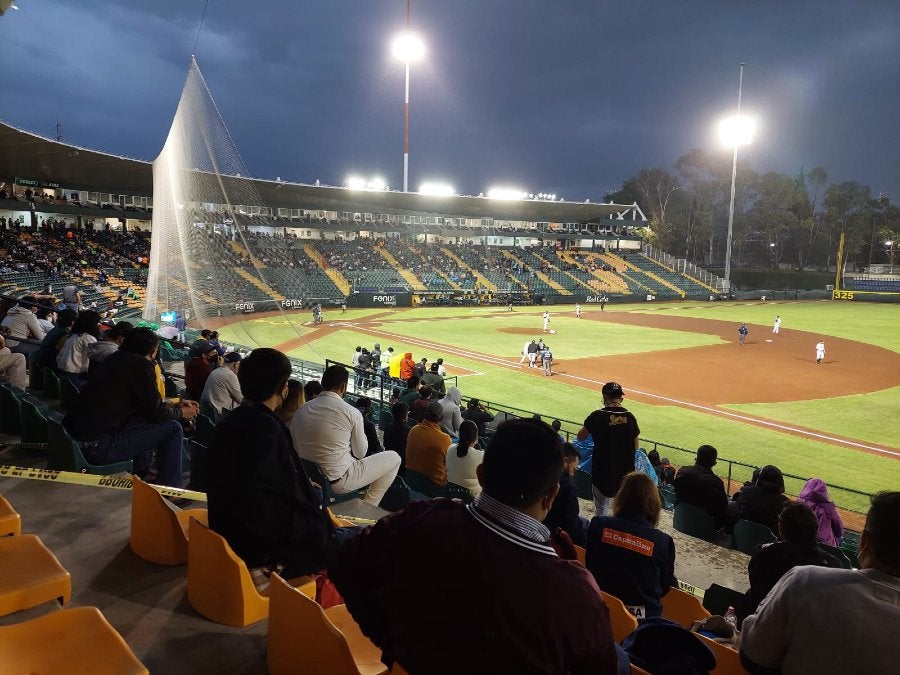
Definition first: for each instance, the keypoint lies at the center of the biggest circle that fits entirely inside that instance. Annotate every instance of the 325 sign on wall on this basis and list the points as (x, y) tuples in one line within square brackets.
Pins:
[(842, 295)]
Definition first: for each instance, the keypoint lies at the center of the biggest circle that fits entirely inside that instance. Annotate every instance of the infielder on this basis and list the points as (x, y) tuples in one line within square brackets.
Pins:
[(743, 332), (820, 351), (777, 327), (546, 321), (524, 353), (577, 310)]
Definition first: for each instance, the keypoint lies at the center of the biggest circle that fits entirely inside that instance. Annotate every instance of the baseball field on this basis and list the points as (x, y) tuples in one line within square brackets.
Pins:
[(685, 376)]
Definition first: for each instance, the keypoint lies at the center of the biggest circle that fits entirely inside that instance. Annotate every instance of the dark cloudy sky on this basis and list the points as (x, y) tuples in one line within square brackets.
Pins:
[(564, 96)]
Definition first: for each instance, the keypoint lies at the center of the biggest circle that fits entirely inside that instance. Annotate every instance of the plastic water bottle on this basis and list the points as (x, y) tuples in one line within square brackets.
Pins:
[(731, 618)]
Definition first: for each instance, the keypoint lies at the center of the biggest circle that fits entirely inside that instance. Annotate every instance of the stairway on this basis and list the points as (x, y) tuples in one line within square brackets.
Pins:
[(259, 283), (408, 276), (621, 263), (565, 257), (239, 248), (540, 275), (336, 277), (479, 277)]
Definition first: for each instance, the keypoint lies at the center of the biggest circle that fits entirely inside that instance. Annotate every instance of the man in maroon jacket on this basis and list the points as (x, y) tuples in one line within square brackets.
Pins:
[(445, 588)]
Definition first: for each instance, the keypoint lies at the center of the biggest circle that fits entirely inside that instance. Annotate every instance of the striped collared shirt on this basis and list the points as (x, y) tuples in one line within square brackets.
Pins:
[(511, 524)]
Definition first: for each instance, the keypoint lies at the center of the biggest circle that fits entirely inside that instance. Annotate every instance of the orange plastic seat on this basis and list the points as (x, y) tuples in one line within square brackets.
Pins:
[(728, 662), (622, 621), (581, 553), (159, 529), (220, 587), (76, 641), (30, 575), (682, 608), (10, 521), (304, 638), (635, 670)]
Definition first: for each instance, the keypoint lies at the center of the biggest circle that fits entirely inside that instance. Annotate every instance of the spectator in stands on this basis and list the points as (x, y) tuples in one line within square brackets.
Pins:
[(391, 368), (666, 472), (260, 498), (12, 366), (477, 412), (643, 464), (426, 446), (565, 510), (464, 458), (200, 343), (397, 432), (476, 617), (824, 621), (20, 323), (71, 297), (45, 318), (417, 409), (433, 380), (312, 389), (214, 341), (180, 326), (199, 368), (45, 356), (797, 527), (329, 432), (699, 486), (765, 499), (73, 358), (364, 405), (815, 496), (411, 394), (421, 368), (120, 415), (628, 556), (108, 344), (440, 368), (452, 413), (222, 390), (615, 432), (407, 367), (556, 425), (292, 402)]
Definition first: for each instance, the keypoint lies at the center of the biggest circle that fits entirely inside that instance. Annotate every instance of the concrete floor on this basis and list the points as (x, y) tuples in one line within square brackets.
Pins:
[(87, 528)]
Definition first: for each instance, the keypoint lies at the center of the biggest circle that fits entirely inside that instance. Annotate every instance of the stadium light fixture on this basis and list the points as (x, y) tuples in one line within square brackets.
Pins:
[(356, 183), (734, 131), (376, 183), (506, 193), (407, 47), (437, 189)]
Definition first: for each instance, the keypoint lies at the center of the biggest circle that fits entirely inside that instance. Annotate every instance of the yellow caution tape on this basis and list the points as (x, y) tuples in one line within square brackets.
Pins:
[(114, 481), (693, 590)]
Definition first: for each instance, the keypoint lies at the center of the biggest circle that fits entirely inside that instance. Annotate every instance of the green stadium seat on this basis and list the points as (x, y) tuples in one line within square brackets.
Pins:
[(419, 482), (10, 411), (51, 384), (397, 497), (717, 599), (694, 521), (839, 554), (35, 376), (584, 484), (315, 474), (68, 392), (667, 496), (64, 454), (33, 424), (748, 536)]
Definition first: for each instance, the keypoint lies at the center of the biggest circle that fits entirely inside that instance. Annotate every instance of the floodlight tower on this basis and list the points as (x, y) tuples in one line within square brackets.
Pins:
[(734, 131), (407, 47)]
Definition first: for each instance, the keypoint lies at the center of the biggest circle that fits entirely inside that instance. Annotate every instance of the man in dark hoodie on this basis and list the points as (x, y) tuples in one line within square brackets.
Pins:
[(45, 356), (765, 499)]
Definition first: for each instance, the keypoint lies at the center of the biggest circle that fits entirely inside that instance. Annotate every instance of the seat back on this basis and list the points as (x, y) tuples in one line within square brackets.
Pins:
[(667, 496), (385, 419), (301, 639), (454, 491), (35, 376), (10, 521), (205, 429), (68, 392), (11, 417), (51, 384), (728, 661), (842, 557), (693, 520), (622, 621), (64, 454), (749, 535), (682, 608), (156, 532), (419, 482), (315, 474), (717, 599), (580, 554), (219, 585), (397, 496), (33, 424), (584, 484)]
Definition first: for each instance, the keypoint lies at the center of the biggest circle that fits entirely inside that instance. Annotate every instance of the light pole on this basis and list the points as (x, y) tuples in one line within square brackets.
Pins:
[(407, 47), (890, 247), (734, 132)]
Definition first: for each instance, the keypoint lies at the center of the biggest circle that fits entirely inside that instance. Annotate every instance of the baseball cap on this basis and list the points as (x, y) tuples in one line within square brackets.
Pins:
[(233, 357), (613, 390)]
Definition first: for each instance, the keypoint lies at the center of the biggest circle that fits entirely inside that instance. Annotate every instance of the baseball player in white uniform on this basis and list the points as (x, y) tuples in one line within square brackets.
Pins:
[(577, 310), (777, 327), (546, 321), (524, 353), (820, 351)]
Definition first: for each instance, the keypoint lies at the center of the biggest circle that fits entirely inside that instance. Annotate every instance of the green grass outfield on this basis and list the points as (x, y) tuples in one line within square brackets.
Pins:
[(477, 332)]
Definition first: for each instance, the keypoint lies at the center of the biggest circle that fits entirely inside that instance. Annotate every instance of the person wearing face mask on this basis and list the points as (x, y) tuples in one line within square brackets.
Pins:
[(198, 369), (259, 496)]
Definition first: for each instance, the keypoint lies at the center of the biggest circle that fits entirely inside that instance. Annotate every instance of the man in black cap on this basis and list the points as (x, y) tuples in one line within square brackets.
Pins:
[(615, 432), (699, 486)]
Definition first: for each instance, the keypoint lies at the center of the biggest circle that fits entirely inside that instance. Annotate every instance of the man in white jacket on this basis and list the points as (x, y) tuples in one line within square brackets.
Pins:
[(12, 366), (222, 389), (21, 323)]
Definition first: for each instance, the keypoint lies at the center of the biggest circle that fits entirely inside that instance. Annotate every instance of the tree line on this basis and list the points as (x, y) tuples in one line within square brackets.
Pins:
[(780, 221)]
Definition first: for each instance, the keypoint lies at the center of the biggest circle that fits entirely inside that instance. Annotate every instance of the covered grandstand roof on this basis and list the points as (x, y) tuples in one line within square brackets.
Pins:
[(27, 155)]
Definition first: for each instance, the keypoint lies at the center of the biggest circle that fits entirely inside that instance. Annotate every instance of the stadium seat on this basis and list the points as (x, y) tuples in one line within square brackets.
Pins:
[(30, 575), (419, 482), (584, 484), (51, 384), (304, 638), (694, 521), (667, 496), (10, 521), (622, 621), (78, 641), (385, 419), (454, 491), (748, 536), (219, 585), (158, 527), (35, 377), (717, 599), (64, 454), (68, 392), (397, 497), (206, 408), (844, 559), (33, 424), (205, 429), (10, 411), (315, 474), (728, 662), (638, 671), (682, 608), (580, 553)]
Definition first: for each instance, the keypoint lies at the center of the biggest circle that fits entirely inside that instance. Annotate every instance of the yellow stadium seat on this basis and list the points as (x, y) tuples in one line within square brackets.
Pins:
[(682, 608), (10, 521), (581, 553), (30, 575), (158, 527), (623, 621), (76, 641), (728, 662), (219, 584), (638, 671), (304, 638)]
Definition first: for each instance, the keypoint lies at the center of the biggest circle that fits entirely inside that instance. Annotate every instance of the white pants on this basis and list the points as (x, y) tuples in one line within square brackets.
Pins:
[(776, 328), (546, 323), (12, 367), (601, 503), (377, 471), (532, 357)]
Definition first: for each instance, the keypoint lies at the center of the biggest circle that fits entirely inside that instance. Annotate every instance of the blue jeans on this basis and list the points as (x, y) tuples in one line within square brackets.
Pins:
[(138, 440)]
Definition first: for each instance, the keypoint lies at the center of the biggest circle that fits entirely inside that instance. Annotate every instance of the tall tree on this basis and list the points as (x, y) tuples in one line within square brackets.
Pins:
[(654, 187), (705, 179)]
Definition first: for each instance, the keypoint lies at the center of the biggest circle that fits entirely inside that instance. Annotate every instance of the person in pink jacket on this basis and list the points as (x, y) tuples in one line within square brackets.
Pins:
[(815, 496)]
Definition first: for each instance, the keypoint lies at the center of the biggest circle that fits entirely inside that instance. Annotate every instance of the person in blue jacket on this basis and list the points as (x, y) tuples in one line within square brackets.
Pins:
[(627, 555)]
